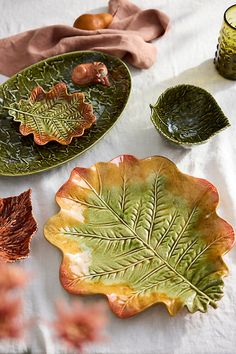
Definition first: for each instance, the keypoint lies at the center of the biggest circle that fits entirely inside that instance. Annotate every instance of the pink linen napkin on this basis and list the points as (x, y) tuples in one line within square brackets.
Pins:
[(127, 37)]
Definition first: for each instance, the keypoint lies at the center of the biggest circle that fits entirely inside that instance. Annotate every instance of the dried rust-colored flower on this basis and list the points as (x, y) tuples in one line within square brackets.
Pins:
[(78, 324)]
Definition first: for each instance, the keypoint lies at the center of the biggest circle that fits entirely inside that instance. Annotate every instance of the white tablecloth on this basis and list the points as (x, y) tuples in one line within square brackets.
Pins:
[(185, 55)]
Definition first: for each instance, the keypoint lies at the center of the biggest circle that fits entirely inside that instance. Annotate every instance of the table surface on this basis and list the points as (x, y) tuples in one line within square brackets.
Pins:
[(185, 55)]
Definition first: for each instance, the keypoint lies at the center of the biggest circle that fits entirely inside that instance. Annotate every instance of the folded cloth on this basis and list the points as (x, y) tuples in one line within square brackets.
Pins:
[(127, 37)]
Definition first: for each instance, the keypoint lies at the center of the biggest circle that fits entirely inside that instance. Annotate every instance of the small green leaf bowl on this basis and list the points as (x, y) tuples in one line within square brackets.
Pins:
[(188, 115)]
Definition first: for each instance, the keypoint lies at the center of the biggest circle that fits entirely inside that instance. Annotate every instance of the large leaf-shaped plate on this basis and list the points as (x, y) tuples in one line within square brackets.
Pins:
[(19, 155), (141, 232)]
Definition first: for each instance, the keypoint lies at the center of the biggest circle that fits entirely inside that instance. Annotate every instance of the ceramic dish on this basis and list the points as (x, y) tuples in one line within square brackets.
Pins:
[(141, 232), (19, 154), (17, 226), (187, 115), (55, 115)]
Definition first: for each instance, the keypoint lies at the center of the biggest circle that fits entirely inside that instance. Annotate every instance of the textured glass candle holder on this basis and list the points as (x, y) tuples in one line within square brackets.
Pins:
[(225, 57)]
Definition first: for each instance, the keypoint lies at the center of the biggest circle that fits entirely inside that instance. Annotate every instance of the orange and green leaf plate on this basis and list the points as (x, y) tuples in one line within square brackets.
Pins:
[(141, 232), (55, 115)]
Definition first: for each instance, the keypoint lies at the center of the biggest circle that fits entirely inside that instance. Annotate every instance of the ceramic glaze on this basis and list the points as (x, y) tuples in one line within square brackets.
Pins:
[(187, 115), (225, 56), (20, 155), (150, 234), (55, 115)]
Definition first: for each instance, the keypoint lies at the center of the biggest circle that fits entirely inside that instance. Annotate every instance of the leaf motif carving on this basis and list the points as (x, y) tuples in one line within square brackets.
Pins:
[(17, 226), (188, 115), (54, 115), (141, 232), (21, 155)]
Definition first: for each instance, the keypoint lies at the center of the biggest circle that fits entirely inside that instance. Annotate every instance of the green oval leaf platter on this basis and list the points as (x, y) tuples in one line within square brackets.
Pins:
[(187, 115), (20, 155), (141, 232)]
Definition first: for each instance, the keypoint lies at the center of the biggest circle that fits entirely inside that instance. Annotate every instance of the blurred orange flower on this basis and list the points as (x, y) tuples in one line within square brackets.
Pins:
[(79, 324), (10, 310), (11, 278)]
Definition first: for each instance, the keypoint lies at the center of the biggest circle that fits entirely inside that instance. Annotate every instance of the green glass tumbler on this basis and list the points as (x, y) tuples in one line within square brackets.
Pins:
[(225, 56)]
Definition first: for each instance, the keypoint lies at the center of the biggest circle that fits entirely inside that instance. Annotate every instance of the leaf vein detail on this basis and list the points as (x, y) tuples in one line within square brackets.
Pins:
[(148, 246)]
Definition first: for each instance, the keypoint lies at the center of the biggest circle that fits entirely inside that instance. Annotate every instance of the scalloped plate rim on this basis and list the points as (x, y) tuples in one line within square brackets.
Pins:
[(45, 93)]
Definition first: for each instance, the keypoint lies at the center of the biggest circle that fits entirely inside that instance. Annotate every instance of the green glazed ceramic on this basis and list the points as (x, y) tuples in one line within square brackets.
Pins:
[(19, 155), (187, 115), (225, 56), (54, 115), (141, 232)]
